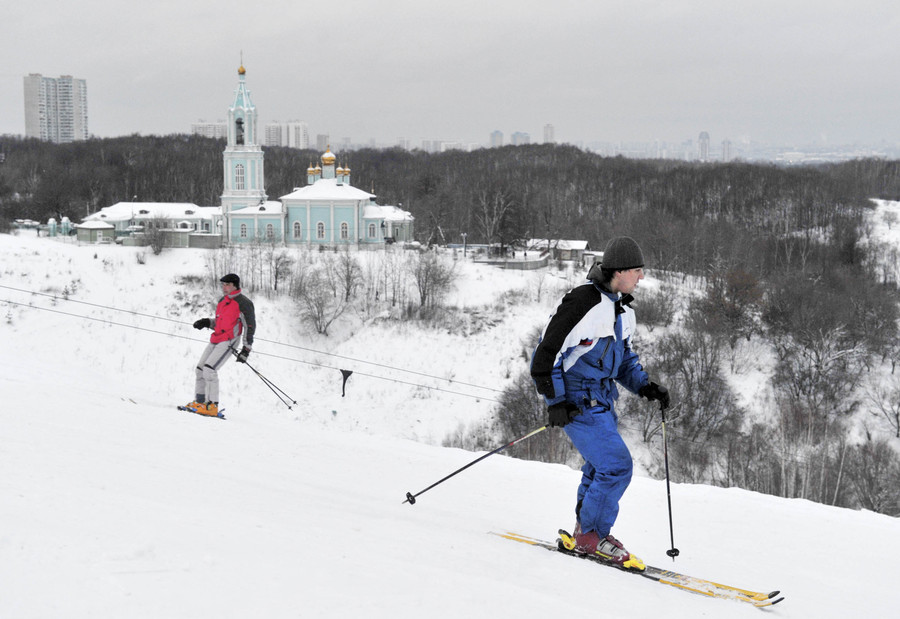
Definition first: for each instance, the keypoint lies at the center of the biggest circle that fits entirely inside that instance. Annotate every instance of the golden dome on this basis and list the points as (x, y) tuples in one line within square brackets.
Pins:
[(310, 169), (328, 158), (241, 70)]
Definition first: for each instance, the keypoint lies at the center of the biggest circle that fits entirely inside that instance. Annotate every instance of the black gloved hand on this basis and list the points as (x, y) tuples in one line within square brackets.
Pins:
[(242, 356), (203, 323), (561, 414), (653, 391), (544, 385)]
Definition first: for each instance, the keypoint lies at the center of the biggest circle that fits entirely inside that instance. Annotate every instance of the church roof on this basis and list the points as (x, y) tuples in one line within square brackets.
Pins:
[(124, 211), (328, 189), (271, 207), (95, 225), (387, 213)]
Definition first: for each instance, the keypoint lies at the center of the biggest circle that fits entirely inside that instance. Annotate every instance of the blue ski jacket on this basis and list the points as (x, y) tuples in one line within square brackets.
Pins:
[(586, 349)]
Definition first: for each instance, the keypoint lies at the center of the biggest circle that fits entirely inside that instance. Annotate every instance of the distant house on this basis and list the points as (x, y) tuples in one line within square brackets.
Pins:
[(130, 217), (561, 249), (96, 232)]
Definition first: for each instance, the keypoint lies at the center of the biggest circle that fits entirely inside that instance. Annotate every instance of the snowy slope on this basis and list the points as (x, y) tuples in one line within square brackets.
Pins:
[(110, 508)]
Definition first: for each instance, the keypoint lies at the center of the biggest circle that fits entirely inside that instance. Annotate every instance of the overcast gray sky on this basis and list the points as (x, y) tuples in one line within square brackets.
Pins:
[(779, 71)]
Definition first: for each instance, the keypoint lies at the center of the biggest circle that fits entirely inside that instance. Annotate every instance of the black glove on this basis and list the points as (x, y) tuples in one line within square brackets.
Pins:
[(561, 414), (203, 323), (544, 385), (653, 391), (242, 356)]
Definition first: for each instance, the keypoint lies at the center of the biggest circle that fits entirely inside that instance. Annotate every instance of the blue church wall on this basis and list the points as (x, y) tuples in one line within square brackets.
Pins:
[(246, 229), (296, 215), (243, 229), (345, 215), (320, 220), (372, 231)]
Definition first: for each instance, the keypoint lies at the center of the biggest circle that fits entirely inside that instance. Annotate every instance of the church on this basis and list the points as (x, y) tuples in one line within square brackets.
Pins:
[(327, 211)]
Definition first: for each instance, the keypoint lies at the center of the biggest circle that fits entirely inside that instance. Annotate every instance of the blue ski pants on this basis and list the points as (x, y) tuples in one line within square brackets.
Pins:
[(606, 472)]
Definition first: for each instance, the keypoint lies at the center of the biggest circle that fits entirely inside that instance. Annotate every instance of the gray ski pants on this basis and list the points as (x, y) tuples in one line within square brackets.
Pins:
[(213, 358)]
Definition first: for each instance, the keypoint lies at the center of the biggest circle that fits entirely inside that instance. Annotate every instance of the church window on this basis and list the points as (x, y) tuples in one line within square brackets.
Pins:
[(320, 230), (345, 231), (297, 230), (371, 231), (239, 131), (243, 231), (270, 231), (239, 176)]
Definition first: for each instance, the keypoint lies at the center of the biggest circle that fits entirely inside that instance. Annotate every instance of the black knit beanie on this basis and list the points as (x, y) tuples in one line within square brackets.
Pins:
[(622, 253)]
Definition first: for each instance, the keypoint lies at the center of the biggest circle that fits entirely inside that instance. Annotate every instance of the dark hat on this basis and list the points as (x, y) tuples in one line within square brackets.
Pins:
[(622, 253), (231, 278)]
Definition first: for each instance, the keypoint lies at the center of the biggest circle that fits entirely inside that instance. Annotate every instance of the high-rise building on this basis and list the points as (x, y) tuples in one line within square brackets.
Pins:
[(274, 134), (294, 134), (549, 134), (297, 134), (56, 108), (216, 130), (727, 150), (496, 139), (704, 146), (519, 138), (323, 142)]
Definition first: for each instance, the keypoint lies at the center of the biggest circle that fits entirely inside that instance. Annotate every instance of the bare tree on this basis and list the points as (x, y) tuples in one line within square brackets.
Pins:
[(155, 233), (885, 399), (320, 301), (432, 276)]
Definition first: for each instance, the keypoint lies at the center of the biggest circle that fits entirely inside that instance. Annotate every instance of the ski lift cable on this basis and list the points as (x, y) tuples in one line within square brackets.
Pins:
[(184, 337), (305, 349)]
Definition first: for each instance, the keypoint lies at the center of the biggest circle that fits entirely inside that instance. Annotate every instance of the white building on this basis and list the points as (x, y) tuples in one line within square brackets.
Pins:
[(128, 218), (293, 134), (215, 130), (56, 108), (549, 134)]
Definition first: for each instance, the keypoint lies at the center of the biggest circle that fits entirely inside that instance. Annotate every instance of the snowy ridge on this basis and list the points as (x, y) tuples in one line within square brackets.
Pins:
[(119, 508)]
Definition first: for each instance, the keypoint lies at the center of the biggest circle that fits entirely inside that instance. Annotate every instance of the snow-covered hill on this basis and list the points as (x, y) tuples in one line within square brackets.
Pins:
[(113, 504)]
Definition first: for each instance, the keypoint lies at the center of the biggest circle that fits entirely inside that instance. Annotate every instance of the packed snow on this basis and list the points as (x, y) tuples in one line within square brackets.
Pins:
[(114, 504)]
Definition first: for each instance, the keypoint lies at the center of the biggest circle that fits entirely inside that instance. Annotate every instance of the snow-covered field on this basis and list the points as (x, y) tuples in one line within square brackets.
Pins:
[(113, 504)]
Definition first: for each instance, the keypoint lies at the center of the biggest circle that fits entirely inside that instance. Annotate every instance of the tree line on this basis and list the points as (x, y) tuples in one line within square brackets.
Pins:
[(687, 214)]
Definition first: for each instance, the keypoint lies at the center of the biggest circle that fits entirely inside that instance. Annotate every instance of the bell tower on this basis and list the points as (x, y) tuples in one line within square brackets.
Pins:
[(244, 178)]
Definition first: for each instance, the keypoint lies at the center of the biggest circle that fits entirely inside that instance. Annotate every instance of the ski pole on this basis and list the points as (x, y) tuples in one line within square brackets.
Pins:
[(268, 383), (411, 498), (672, 552)]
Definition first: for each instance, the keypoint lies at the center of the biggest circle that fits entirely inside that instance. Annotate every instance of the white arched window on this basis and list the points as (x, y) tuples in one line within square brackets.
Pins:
[(243, 231), (320, 230), (371, 231), (345, 231), (298, 231), (239, 176), (270, 231)]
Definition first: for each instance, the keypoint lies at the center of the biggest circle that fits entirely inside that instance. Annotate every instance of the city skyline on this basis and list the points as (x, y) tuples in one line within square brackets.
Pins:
[(801, 72)]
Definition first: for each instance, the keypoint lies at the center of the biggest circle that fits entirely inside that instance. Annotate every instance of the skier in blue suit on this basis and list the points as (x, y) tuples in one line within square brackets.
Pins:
[(584, 351)]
